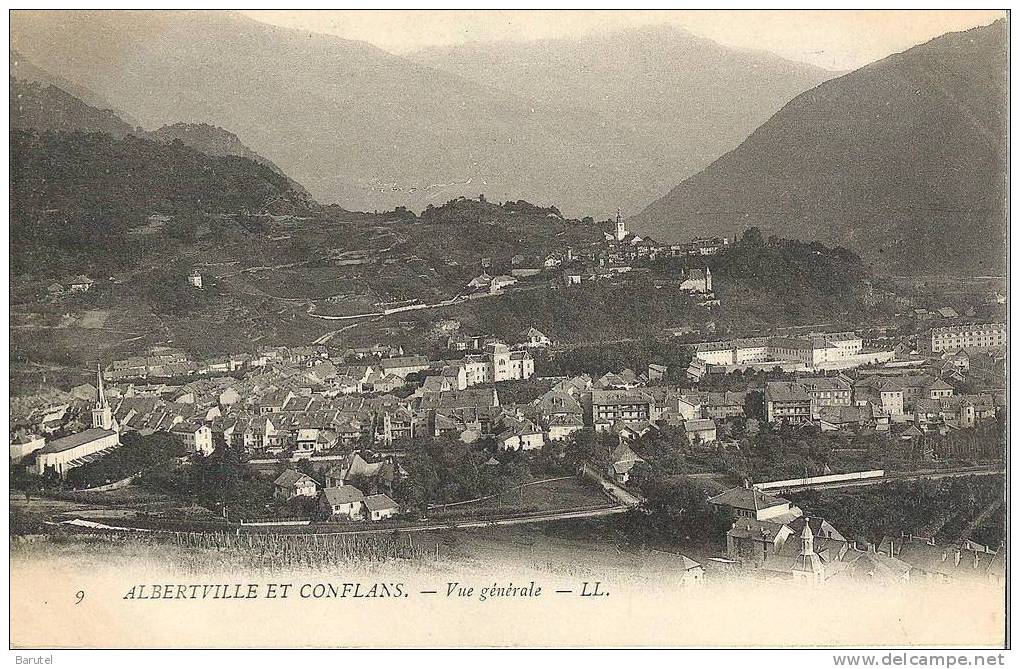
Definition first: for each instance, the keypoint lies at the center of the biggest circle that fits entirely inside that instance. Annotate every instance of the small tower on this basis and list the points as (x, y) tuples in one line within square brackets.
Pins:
[(708, 279), (102, 414), (809, 567), (807, 538), (621, 229)]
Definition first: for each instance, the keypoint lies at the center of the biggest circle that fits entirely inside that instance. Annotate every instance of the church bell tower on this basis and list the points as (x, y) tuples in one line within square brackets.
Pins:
[(102, 414), (621, 229)]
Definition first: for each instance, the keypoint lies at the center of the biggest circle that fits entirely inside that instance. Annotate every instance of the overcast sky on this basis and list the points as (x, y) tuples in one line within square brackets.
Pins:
[(833, 39)]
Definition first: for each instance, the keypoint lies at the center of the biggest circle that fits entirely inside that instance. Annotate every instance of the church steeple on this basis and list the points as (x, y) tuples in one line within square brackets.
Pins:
[(621, 229), (102, 414), (101, 395), (807, 540), (809, 564)]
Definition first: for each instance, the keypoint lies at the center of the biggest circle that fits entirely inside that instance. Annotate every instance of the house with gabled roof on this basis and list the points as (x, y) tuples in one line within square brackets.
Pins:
[(403, 366), (557, 403), (290, 484), (380, 507), (700, 430), (621, 461), (520, 434), (751, 503), (197, 437), (342, 502), (480, 282), (561, 426), (80, 284), (535, 338)]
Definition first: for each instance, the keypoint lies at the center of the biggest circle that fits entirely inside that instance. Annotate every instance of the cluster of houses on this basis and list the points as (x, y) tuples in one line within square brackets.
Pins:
[(914, 389), (289, 409), (347, 372), (617, 255), (625, 245), (336, 496), (928, 404), (773, 537), (313, 402)]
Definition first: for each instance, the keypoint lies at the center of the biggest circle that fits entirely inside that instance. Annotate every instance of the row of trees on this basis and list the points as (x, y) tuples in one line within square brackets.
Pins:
[(946, 509), (598, 358), (220, 480)]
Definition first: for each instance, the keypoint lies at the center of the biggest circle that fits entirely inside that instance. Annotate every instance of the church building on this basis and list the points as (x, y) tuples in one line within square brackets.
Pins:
[(62, 455)]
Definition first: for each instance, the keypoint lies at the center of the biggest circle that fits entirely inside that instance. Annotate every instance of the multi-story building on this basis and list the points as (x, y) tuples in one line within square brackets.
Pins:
[(958, 411), (809, 351), (788, 402), (734, 351), (498, 363), (891, 395), (898, 394), (979, 335), (610, 406), (826, 391)]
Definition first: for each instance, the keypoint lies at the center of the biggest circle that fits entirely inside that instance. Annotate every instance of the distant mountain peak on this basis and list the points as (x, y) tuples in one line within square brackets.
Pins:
[(902, 160)]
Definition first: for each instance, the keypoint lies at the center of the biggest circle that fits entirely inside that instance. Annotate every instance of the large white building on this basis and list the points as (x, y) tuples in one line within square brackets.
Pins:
[(498, 363), (834, 350), (979, 335)]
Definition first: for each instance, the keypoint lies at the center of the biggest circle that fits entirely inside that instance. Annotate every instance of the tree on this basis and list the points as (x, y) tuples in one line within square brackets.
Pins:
[(678, 509), (223, 480), (752, 237), (754, 404)]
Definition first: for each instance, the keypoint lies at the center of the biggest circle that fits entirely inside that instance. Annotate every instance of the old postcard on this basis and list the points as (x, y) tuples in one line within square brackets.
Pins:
[(415, 329)]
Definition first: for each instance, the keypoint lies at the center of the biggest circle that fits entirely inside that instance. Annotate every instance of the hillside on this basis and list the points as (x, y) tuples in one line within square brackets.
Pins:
[(46, 107), (216, 141), (370, 131), (76, 195), (768, 281), (663, 91), (25, 70), (902, 161), (208, 139), (84, 186)]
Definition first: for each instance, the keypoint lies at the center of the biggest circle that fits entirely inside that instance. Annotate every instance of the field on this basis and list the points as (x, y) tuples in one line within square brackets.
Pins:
[(135, 506), (555, 495)]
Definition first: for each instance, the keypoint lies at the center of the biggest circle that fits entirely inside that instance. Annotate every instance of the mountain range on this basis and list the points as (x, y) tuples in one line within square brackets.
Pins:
[(589, 125), (83, 180), (903, 160)]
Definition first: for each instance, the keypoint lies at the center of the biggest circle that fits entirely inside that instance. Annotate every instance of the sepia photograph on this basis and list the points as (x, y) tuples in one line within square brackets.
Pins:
[(489, 328)]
